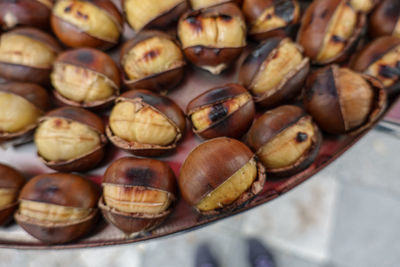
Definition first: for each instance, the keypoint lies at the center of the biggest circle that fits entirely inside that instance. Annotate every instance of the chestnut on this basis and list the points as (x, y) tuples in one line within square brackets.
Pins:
[(80, 23), (385, 19), (275, 71), (152, 13), (85, 77), (330, 30), (226, 110), (27, 55), (219, 175), (285, 140), (365, 6), (199, 4), (58, 207), (70, 139), (137, 194), (11, 182), (152, 60), (268, 18), (145, 124), (214, 37), (342, 101), (22, 104)]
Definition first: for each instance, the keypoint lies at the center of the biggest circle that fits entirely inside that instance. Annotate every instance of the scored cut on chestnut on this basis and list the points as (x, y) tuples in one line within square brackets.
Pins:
[(385, 19), (275, 71), (58, 207), (200, 4), (27, 55), (152, 60), (214, 37), (226, 110), (81, 23), (85, 77), (219, 175), (145, 123), (70, 139), (285, 140), (330, 30), (138, 194), (342, 101)]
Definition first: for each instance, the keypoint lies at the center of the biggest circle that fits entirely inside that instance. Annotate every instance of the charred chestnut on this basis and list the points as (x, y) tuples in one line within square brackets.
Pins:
[(70, 139), (137, 194), (79, 23), (275, 71), (199, 4), (145, 123), (330, 30), (214, 37), (220, 174), (152, 60), (27, 55), (343, 101), (222, 111), (385, 19), (85, 77), (57, 208)]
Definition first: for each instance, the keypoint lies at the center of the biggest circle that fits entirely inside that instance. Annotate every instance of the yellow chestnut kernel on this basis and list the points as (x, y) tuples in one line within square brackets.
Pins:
[(137, 123), (231, 189), (7, 196), (268, 21), (135, 199), (389, 60), (362, 5), (58, 139), (16, 113), (199, 4), (22, 50)]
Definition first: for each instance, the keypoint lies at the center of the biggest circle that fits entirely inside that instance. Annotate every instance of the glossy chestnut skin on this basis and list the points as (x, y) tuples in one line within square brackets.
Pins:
[(158, 82), (200, 4), (88, 60), (26, 73), (385, 19), (223, 122), (73, 35), (85, 118), (342, 101), (136, 176), (285, 13), (168, 109), (62, 190)]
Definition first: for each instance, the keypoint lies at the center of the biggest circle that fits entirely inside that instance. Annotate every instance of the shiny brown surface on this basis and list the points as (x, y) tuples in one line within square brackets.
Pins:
[(34, 93), (384, 18), (10, 177)]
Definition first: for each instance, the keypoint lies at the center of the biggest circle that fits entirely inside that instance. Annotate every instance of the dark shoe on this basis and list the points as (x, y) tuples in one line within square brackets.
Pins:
[(204, 257), (258, 254)]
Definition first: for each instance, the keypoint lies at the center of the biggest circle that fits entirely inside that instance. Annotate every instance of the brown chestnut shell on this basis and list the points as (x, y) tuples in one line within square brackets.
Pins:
[(385, 18)]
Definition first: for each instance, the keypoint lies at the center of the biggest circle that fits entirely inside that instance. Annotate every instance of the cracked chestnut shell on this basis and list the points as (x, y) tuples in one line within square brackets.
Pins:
[(58, 207), (85, 77), (214, 37), (11, 182), (385, 19), (269, 18), (330, 30), (27, 55), (82, 23), (285, 140), (70, 139), (226, 110), (342, 101), (219, 175), (275, 71), (145, 123), (152, 60), (138, 194), (200, 4)]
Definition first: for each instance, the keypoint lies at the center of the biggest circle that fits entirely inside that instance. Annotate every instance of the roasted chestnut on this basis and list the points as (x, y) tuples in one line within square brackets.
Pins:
[(365, 6), (70, 139), (214, 37), (58, 207), (27, 55), (385, 19), (226, 110), (21, 106), (34, 13), (11, 182), (219, 175), (152, 60), (275, 71), (330, 30), (85, 77), (268, 18), (343, 101), (137, 194), (145, 123), (199, 4), (79, 23)]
